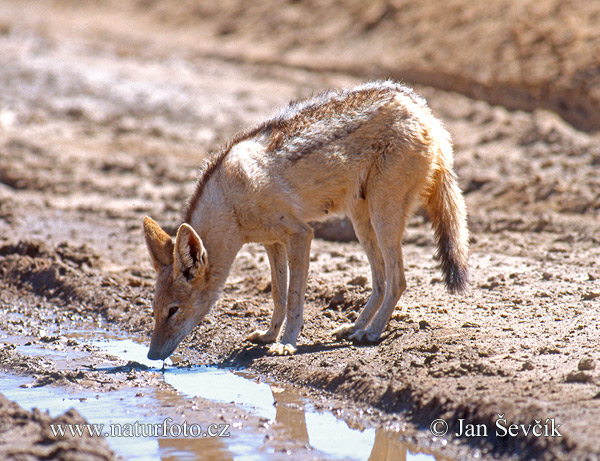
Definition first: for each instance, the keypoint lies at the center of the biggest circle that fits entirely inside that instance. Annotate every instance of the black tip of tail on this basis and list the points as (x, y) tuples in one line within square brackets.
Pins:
[(455, 271), (457, 279)]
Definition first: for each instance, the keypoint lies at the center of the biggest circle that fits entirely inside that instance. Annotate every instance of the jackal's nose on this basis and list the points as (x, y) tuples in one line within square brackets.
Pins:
[(154, 355)]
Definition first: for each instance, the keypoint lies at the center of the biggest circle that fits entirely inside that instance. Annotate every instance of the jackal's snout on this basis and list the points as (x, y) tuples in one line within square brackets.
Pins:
[(155, 354), (158, 351)]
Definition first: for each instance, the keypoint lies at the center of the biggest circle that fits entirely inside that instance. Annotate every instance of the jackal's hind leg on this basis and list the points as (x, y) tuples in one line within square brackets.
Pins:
[(279, 285), (395, 285), (388, 222), (366, 236)]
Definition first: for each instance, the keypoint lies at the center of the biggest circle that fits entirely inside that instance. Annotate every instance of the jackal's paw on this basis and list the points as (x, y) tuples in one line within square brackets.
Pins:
[(261, 337), (364, 337), (282, 349), (344, 331)]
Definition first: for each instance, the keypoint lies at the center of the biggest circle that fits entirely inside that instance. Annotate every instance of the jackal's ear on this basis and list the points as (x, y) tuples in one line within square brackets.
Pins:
[(159, 244), (190, 256)]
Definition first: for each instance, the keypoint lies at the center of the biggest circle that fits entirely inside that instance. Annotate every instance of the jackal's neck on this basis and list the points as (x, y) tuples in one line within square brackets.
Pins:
[(219, 231)]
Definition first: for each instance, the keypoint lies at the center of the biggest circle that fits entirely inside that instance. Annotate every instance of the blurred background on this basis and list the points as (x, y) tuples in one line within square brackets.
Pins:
[(521, 54)]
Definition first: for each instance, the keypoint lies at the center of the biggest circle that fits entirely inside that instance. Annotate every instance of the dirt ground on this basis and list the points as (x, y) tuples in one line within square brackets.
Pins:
[(18, 425), (107, 109)]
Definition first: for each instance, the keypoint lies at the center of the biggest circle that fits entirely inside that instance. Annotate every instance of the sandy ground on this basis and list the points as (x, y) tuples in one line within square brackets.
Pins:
[(105, 116)]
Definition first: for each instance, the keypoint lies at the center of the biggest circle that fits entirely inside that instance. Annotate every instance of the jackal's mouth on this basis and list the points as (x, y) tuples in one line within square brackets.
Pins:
[(155, 355), (161, 353)]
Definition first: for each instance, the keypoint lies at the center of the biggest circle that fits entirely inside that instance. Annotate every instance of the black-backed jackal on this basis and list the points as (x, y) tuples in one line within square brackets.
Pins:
[(369, 152)]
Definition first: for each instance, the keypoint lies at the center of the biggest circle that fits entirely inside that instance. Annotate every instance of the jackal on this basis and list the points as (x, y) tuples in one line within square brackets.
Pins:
[(368, 153)]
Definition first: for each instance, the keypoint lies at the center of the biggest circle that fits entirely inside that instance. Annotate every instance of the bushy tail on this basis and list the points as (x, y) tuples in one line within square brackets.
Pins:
[(445, 205)]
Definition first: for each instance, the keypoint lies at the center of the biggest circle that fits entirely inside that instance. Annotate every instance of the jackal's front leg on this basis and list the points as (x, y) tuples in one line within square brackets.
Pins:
[(279, 285), (298, 250)]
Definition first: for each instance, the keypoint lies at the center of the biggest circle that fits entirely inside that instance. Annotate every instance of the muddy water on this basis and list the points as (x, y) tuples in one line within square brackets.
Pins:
[(321, 430), (97, 409), (327, 436)]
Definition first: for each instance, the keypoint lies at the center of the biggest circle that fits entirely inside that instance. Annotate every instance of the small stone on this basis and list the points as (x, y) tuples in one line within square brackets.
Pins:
[(360, 281), (527, 366), (338, 300), (431, 349), (590, 295), (586, 363), (264, 286), (577, 377), (470, 325), (424, 324)]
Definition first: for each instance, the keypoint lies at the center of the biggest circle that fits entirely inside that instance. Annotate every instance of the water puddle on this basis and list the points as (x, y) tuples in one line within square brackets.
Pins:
[(104, 408), (321, 430), (54, 354), (296, 417)]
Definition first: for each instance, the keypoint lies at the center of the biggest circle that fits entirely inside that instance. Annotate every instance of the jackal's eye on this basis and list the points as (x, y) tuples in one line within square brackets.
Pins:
[(172, 311)]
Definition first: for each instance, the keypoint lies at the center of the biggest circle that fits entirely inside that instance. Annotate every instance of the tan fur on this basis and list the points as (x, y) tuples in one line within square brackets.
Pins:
[(369, 153)]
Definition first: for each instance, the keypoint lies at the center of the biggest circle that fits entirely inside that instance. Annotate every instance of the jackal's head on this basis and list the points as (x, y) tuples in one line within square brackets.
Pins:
[(181, 298)]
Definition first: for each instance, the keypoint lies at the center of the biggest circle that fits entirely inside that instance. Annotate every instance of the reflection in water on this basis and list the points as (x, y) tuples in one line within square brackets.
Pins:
[(105, 408), (388, 447), (183, 448), (335, 437), (207, 449), (222, 385), (290, 413), (326, 433), (328, 436)]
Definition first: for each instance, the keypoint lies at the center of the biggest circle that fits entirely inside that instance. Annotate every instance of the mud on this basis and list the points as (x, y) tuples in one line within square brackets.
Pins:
[(19, 425), (106, 112)]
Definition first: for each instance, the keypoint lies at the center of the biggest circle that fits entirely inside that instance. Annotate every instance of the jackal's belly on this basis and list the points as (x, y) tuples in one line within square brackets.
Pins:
[(321, 201), (327, 190)]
